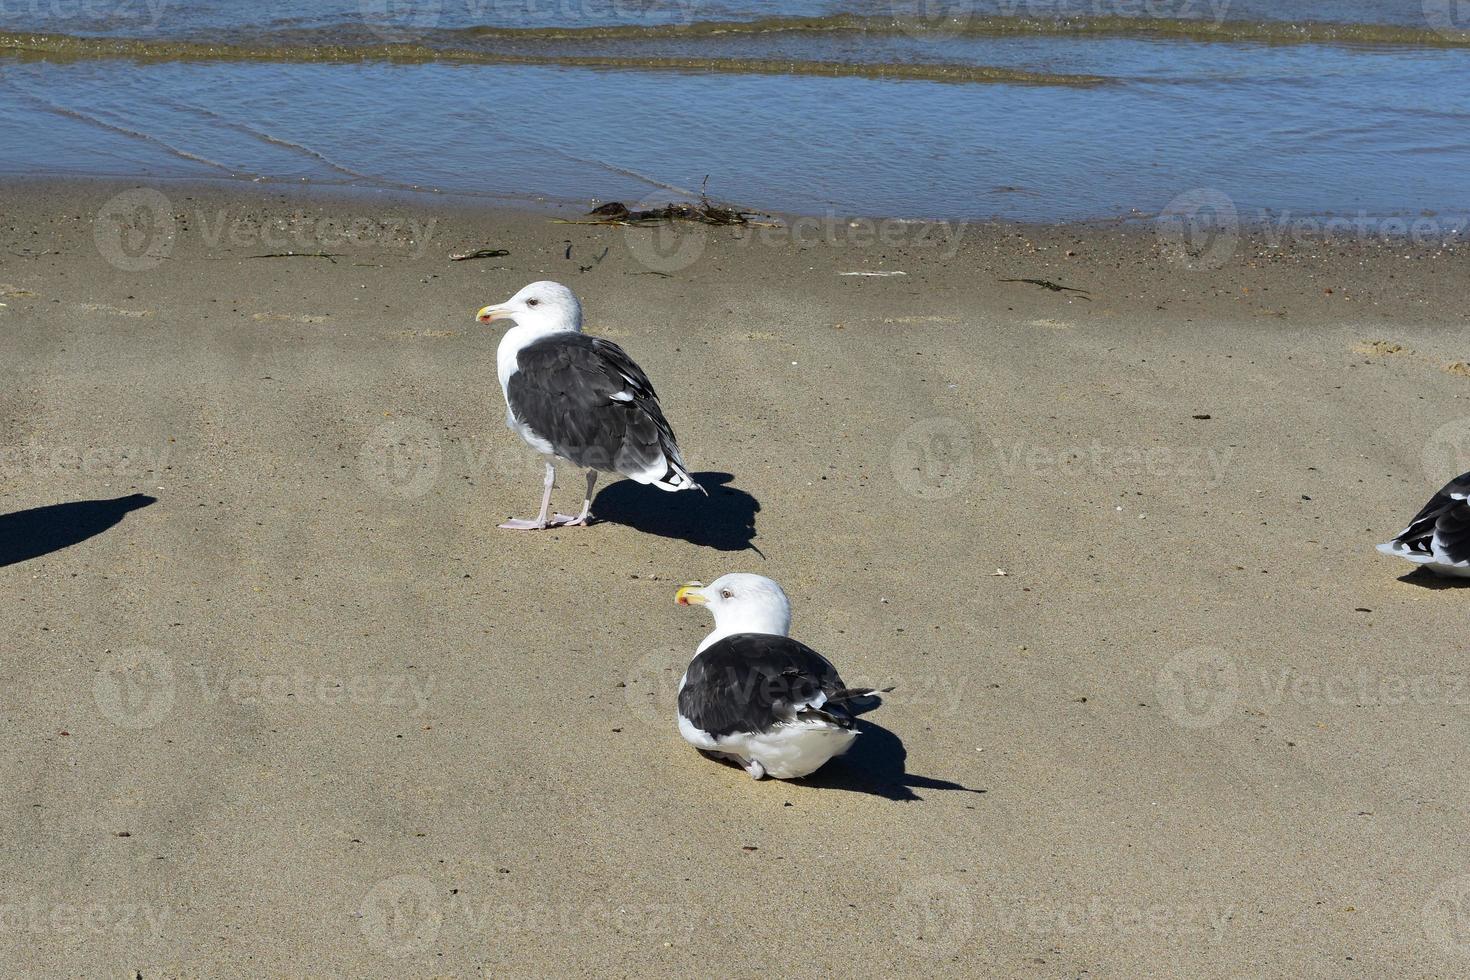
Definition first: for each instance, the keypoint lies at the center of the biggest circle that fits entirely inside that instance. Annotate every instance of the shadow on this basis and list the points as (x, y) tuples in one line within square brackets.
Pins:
[(725, 520), (875, 765), (28, 534), (1426, 579)]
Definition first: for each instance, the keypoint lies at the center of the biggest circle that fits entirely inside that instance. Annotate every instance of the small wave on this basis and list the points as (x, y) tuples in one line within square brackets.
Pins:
[(64, 47), (1182, 29), (134, 134)]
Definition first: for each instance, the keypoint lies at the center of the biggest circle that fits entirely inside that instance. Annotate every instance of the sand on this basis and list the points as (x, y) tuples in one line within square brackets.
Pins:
[(1160, 708)]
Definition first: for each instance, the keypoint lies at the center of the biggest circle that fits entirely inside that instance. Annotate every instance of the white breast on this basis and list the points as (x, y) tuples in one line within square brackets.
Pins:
[(790, 751)]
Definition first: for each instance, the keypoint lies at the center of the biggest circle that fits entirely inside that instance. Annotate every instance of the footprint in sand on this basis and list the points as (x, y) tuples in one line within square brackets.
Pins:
[(921, 319), (114, 310), (289, 317), (1389, 348), (434, 334), (1379, 348)]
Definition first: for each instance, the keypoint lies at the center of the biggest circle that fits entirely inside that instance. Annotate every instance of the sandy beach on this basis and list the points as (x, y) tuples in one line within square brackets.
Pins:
[(279, 699)]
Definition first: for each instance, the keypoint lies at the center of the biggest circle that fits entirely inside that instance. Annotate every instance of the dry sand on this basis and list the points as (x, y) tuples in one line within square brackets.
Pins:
[(311, 713)]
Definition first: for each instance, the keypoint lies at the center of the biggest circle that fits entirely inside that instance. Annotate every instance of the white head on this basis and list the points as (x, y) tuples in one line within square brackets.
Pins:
[(741, 603), (543, 307)]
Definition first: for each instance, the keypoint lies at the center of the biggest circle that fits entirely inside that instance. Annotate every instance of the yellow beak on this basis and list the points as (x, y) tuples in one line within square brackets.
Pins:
[(689, 594), (490, 314)]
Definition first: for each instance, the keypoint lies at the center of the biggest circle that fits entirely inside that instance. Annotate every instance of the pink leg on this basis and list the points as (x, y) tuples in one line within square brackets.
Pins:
[(539, 524), (564, 520)]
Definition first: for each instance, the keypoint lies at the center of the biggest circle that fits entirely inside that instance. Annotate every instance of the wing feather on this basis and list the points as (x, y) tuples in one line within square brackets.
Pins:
[(594, 405), (1441, 529), (754, 681)]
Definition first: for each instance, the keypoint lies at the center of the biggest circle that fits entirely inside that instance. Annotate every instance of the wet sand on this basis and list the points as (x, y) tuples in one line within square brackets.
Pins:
[(309, 711)]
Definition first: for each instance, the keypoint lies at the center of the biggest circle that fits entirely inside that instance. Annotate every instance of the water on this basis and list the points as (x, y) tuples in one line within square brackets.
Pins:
[(926, 108)]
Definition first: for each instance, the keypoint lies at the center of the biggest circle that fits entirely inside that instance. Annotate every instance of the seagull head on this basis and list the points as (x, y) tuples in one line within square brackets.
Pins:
[(545, 307), (741, 603)]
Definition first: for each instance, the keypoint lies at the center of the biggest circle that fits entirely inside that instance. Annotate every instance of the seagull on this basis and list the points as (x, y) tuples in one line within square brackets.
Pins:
[(579, 399), (1438, 538), (754, 695)]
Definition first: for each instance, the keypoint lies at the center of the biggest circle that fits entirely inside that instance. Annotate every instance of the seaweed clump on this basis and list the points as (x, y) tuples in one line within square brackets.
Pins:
[(704, 212)]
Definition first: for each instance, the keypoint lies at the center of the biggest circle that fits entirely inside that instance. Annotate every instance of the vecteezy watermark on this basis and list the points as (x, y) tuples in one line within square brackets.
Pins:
[(934, 914), (1448, 17), (668, 245), (1446, 916), (135, 230), (942, 238), (1199, 229), (651, 687), (139, 688), (1198, 688), (934, 458), (401, 21), (1447, 452), (401, 458), (939, 914), (40, 459), (302, 233), (138, 230), (405, 915), (922, 17), (407, 21), (937, 458), (134, 688), (47, 14), (1280, 229), (1202, 464), (37, 916), (1214, 10), (405, 457), (1101, 915), (1203, 686), (401, 915)]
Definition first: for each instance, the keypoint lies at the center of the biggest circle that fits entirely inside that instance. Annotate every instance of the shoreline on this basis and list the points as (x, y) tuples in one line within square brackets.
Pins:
[(1187, 232)]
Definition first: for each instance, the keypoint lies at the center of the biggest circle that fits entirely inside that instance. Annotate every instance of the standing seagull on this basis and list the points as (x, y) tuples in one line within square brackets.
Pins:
[(579, 398), (756, 696), (1438, 537)]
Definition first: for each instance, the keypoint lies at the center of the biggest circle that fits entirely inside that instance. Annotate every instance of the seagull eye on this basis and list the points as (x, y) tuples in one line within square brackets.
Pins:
[(532, 302), (726, 594)]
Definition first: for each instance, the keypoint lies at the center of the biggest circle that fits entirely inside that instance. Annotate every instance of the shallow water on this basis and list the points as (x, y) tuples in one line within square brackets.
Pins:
[(980, 110)]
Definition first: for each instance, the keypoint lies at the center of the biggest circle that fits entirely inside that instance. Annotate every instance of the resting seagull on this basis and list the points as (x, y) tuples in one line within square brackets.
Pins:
[(579, 398), (752, 694), (1438, 538)]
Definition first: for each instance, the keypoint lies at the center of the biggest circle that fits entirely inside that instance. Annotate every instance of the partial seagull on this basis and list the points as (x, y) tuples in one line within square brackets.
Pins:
[(754, 695), (581, 399), (1438, 538)]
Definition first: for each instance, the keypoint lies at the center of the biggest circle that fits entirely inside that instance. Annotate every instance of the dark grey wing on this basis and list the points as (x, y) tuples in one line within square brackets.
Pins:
[(596, 407), (751, 682), (1441, 529), (646, 399)]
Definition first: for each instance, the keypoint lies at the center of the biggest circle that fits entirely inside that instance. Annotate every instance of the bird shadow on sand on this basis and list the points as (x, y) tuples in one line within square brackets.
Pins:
[(1425, 579), (28, 534), (874, 765), (725, 520)]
